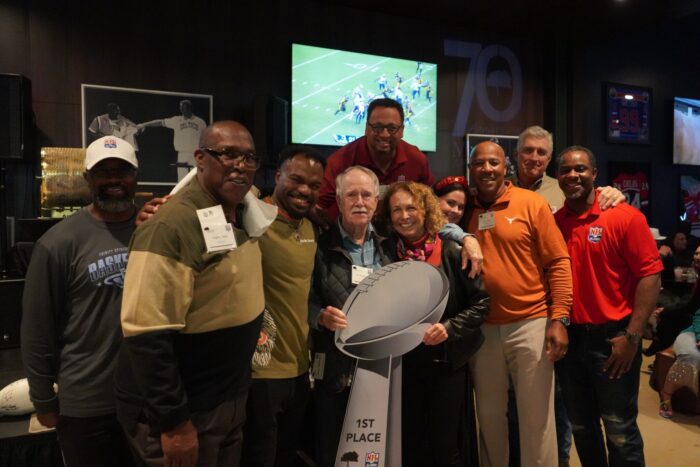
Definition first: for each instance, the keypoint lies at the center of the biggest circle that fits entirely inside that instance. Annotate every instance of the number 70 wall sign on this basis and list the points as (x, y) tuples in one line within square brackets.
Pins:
[(479, 79)]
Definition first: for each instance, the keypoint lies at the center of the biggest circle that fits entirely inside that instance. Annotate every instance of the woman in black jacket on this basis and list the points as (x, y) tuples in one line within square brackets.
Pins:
[(437, 422)]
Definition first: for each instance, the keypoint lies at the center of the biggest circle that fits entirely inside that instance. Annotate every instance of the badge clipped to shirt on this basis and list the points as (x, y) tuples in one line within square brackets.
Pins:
[(218, 234), (359, 273), (487, 220)]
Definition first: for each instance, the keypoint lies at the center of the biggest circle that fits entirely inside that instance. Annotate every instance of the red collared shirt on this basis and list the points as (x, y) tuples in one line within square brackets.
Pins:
[(610, 252), (409, 164)]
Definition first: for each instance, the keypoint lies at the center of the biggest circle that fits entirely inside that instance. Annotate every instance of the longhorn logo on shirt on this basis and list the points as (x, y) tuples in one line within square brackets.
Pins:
[(594, 234)]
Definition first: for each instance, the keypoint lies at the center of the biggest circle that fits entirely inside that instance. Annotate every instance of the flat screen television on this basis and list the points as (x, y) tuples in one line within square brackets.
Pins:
[(686, 131), (331, 90)]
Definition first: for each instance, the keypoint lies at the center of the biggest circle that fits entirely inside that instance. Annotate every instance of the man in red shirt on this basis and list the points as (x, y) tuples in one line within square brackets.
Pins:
[(615, 267), (381, 150)]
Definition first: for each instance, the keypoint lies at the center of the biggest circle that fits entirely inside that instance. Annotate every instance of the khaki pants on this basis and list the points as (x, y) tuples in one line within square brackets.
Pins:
[(515, 350)]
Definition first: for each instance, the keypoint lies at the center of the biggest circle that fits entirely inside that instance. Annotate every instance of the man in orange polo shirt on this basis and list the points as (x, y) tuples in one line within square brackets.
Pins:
[(616, 273), (527, 273)]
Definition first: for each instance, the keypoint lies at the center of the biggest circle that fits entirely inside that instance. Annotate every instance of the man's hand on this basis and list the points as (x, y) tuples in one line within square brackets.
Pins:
[(471, 252), (665, 250), (609, 197), (435, 334), (622, 354), (48, 419), (332, 318), (180, 446), (318, 217), (556, 341), (150, 208)]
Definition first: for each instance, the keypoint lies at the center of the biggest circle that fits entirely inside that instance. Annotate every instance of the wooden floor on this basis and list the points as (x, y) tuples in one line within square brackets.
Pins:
[(667, 443)]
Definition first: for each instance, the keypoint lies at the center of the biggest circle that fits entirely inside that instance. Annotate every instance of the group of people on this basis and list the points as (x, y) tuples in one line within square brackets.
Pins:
[(198, 345), (675, 324)]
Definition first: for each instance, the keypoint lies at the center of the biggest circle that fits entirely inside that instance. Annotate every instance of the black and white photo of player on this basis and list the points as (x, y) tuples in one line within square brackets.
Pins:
[(145, 118)]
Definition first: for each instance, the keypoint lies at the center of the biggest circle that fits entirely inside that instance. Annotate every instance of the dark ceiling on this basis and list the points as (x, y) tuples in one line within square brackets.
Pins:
[(539, 18)]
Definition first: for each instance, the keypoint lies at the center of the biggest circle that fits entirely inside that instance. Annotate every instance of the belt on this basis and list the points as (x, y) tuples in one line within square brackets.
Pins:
[(610, 325)]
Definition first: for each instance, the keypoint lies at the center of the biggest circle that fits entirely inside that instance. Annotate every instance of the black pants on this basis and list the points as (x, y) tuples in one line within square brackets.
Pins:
[(219, 434), (434, 422), (93, 442), (329, 412), (276, 409)]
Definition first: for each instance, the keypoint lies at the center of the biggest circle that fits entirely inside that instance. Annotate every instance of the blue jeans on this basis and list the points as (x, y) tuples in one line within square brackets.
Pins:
[(591, 395)]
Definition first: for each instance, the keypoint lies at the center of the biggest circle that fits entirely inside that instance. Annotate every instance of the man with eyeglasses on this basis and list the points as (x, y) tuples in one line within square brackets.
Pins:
[(192, 312), (70, 323), (382, 150)]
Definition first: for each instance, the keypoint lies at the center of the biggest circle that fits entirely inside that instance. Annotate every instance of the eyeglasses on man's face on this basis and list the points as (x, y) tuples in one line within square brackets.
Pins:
[(234, 157), (378, 128)]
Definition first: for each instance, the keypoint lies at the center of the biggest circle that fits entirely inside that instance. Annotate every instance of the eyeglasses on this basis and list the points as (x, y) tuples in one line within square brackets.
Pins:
[(113, 173), (233, 157), (378, 128), (541, 152)]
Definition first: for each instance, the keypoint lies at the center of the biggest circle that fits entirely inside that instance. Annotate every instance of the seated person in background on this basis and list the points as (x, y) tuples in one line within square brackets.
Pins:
[(434, 415), (684, 371), (350, 246), (677, 254), (670, 321)]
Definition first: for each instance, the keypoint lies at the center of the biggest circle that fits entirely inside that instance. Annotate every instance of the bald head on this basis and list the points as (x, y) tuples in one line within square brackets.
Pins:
[(216, 130), (489, 147), (487, 170)]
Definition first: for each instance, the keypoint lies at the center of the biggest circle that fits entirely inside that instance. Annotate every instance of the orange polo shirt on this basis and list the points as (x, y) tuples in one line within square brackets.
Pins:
[(526, 263)]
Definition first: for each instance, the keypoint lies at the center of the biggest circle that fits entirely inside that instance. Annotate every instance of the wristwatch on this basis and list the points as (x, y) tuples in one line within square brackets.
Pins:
[(632, 337), (563, 320)]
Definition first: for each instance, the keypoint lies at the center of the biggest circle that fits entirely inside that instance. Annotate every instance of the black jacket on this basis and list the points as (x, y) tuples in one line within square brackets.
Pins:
[(331, 286), (466, 308)]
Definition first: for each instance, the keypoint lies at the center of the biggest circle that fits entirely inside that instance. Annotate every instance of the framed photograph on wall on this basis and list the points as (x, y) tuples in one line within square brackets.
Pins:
[(627, 113), (634, 180), (508, 143), (163, 127), (690, 202)]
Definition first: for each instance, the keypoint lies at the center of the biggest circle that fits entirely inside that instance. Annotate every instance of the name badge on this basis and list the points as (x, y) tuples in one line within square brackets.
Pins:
[(359, 273), (487, 220), (319, 365), (218, 234)]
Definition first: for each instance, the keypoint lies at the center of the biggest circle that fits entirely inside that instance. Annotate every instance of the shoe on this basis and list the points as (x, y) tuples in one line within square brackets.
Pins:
[(665, 409)]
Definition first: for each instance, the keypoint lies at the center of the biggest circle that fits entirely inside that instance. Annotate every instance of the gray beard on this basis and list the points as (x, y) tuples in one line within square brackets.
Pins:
[(114, 205)]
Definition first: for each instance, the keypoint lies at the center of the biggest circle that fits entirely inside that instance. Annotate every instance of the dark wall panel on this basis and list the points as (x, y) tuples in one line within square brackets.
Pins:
[(666, 61)]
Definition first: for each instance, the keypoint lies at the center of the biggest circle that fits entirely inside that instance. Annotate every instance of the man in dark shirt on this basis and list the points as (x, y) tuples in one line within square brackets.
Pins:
[(70, 322), (191, 314)]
